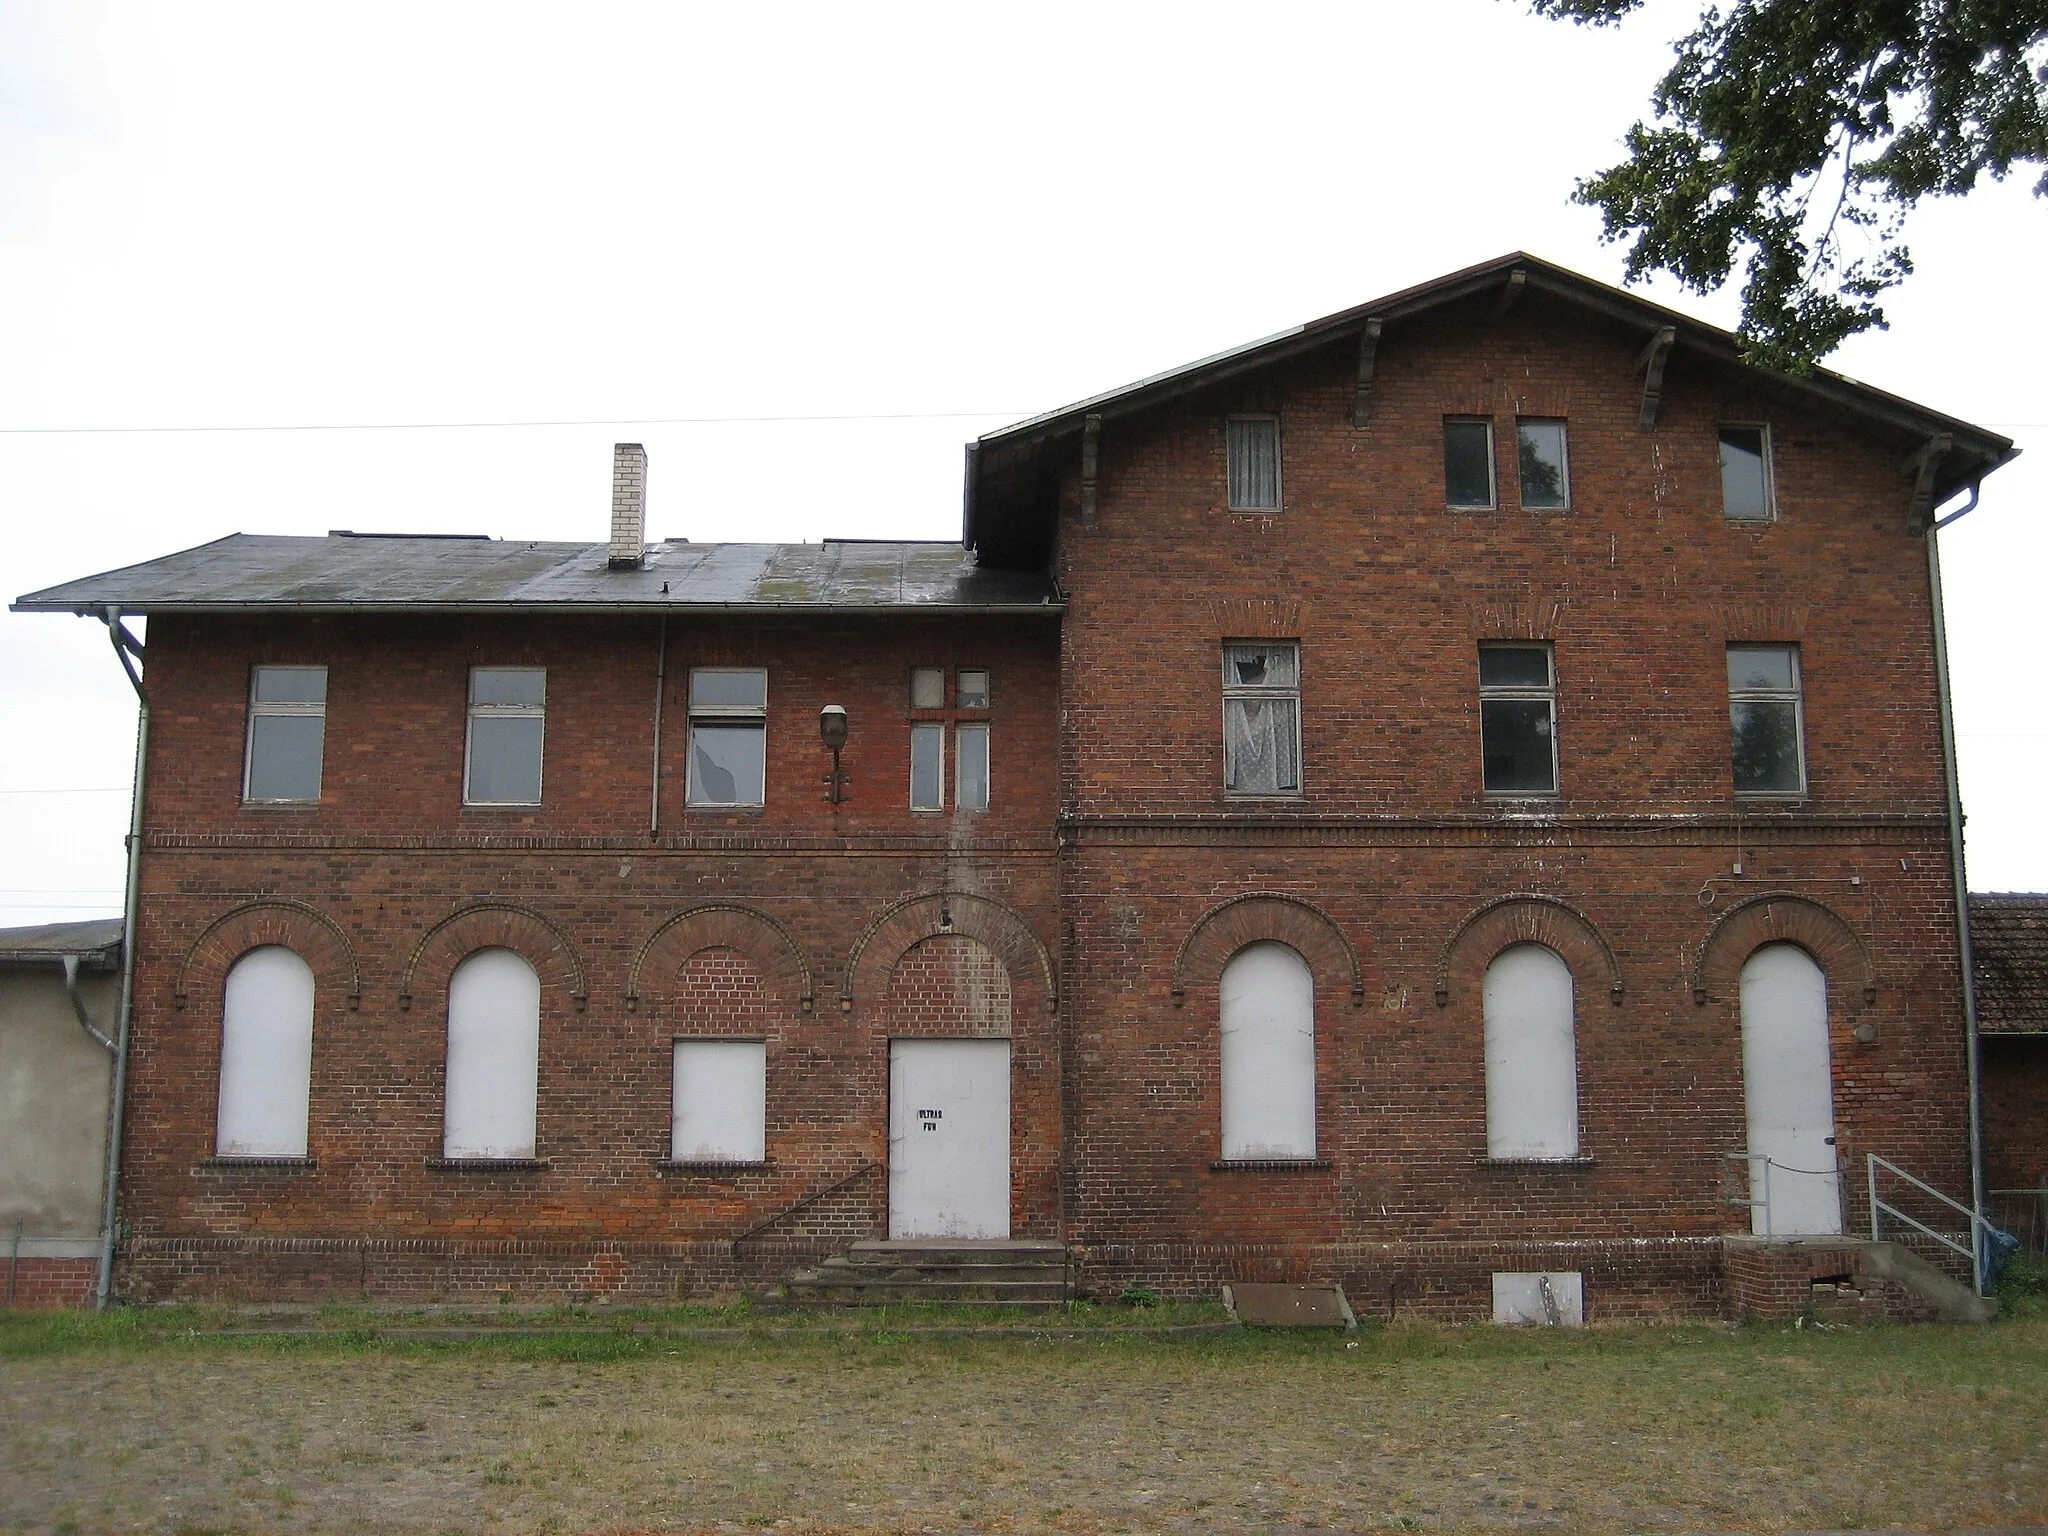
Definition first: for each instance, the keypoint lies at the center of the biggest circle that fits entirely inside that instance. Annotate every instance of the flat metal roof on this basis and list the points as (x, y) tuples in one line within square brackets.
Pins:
[(354, 573), (97, 943)]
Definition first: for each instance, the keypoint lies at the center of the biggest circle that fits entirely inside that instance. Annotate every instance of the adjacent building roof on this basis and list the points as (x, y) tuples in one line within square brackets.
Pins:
[(97, 944), (376, 573), (2009, 945)]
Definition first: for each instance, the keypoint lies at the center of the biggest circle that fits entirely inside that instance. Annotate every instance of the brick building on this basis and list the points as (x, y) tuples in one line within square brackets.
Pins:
[(1299, 834)]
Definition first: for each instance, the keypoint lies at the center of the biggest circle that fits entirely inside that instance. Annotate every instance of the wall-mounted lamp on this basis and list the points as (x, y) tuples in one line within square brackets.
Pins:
[(833, 728)]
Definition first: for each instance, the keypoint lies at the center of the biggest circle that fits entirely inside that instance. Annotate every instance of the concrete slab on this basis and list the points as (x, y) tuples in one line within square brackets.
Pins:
[(1288, 1306)]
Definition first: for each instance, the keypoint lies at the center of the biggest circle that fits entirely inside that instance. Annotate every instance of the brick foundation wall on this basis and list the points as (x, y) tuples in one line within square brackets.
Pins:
[(39, 1283)]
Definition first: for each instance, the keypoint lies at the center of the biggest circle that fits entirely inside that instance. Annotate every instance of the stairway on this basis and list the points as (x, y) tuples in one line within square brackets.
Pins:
[(955, 1272)]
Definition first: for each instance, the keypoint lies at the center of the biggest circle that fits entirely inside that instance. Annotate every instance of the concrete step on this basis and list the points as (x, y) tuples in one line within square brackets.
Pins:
[(955, 1272), (1952, 1302), (956, 1252), (816, 1285)]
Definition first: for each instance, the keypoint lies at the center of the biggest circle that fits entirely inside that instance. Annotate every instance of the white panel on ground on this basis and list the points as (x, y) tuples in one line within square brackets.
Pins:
[(721, 1102), (1269, 1054), (949, 1138), (266, 1055), (1532, 1061), (1789, 1089), (493, 1057), (1556, 1298)]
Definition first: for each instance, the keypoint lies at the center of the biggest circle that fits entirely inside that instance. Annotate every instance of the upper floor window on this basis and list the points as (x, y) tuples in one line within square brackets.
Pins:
[(1763, 717), (728, 736), (287, 735), (1539, 449), (1468, 462), (1518, 719), (266, 1055), (968, 733), (1262, 717), (1746, 473), (507, 719), (1253, 451)]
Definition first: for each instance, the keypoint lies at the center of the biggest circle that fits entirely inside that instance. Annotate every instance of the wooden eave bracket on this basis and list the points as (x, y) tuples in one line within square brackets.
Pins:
[(1650, 364), (1921, 467), (1368, 350), (1091, 447), (1517, 281)]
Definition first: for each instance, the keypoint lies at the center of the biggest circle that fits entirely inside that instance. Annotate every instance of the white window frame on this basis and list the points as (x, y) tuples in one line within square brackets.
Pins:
[(1260, 693), (1564, 465), (302, 711), (1503, 692), (755, 1153), (723, 714), (504, 711), (1247, 418), (1795, 696), (1762, 430), (936, 730), (1492, 502), (960, 728)]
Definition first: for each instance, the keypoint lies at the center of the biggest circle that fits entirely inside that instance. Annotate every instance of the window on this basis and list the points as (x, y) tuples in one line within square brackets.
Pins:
[(928, 738), (266, 1055), (1746, 473), (927, 767), (721, 1102), (972, 692), (1262, 718), (287, 733), (507, 716), (493, 1057), (1539, 448), (1763, 716), (1468, 462), (1268, 1002), (1532, 1067), (1518, 719), (970, 767), (1253, 449), (728, 735)]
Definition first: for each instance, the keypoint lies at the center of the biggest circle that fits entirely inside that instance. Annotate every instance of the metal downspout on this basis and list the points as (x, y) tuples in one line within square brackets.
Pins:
[(1962, 886), (124, 644)]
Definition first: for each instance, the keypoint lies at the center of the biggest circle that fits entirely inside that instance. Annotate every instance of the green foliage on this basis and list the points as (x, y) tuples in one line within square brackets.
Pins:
[(1139, 1296), (2023, 1286), (1792, 137)]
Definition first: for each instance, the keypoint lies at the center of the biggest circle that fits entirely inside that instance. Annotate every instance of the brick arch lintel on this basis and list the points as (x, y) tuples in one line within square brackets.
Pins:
[(724, 925), (1265, 915), (1527, 918), (916, 918), (305, 930), (1779, 917), (497, 925)]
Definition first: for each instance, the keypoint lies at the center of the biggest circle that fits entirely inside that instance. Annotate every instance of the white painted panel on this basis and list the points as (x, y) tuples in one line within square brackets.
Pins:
[(1269, 1054), (949, 1138), (1532, 1060), (266, 1055), (493, 1057), (1789, 1090), (721, 1102), (1518, 1299)]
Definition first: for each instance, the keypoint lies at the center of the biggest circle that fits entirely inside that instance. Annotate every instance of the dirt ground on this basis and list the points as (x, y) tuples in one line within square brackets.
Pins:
[(1693, 1429)]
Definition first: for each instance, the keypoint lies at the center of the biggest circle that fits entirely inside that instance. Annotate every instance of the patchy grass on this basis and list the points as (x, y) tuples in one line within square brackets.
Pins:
[(853, 1426)]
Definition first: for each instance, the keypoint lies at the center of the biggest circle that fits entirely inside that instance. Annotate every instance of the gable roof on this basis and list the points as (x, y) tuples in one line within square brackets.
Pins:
[(1010, 500), (2009, 951)]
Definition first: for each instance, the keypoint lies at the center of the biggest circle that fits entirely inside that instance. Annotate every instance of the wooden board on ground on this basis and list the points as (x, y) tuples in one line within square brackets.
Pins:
[(1288, 1306)]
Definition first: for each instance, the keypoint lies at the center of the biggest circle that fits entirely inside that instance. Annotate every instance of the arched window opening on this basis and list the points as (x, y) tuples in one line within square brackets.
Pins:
[(1788, 1093), (266, 1055), (493, 1057), (1532, 1062), (1269, 1055)]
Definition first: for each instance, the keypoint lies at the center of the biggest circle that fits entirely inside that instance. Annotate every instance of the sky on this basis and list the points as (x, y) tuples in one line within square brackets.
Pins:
[(445, 255)]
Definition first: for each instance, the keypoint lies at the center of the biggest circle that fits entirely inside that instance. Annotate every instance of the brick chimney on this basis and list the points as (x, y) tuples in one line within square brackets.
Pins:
[(629, 506)]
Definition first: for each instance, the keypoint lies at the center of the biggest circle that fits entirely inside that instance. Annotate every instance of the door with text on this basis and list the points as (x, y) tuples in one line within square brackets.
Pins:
[(949, 1138)]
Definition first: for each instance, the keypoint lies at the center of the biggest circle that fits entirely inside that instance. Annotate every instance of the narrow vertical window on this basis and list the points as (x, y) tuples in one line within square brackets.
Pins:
[(1746, 474), (970, 756), (728, 736), (287, 735), (507, 719), (720, 1102), (927, 767), (1518, 719), (1261, 718), (1539, 450), (1532, 1064), (1468, 462), (1763, 717), (266, 1055), (493, 1058), (1253, 451), (1268, 1000)]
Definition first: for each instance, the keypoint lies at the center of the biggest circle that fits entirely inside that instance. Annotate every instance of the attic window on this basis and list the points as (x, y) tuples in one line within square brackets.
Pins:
[(1746, 474), (1253, 444)]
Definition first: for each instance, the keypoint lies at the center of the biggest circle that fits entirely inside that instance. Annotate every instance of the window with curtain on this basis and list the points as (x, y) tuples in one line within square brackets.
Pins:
[(1262, 718)]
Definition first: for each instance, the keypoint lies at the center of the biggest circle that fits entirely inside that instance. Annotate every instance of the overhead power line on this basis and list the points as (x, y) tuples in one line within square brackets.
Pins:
[(474, 426)]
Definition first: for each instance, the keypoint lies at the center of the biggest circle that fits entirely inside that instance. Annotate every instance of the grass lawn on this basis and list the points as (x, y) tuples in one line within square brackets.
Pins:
[(695, 1420)]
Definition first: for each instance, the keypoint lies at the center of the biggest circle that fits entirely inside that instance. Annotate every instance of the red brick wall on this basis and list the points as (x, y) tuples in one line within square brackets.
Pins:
[(40, 1283)]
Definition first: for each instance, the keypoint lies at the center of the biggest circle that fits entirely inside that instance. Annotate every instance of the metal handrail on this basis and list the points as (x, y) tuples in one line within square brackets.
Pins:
[(1764, 1204), (812, 1198), (1974, 1253)]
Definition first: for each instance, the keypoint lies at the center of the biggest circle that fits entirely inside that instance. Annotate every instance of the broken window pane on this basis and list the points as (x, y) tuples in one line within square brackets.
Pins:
[(970, 743), (1539, 446), (1259, 666), (1253, 444), (973, 689), (1745, 477), (1468, 463), (927, 766), (728, 762)]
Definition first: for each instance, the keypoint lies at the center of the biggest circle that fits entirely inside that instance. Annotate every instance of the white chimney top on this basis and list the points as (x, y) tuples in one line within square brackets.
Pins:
[(629, 506)]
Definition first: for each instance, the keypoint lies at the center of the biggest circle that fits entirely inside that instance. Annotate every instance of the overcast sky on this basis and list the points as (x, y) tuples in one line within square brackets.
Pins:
[(841, 240)]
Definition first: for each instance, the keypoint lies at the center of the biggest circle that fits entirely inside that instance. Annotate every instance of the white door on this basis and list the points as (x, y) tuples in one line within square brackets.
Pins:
[(1790, 1094), (949, 1138)]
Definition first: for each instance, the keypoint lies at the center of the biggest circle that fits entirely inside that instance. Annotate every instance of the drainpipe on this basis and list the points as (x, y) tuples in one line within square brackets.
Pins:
[(125, 646), (1962, 885), (70, 963)]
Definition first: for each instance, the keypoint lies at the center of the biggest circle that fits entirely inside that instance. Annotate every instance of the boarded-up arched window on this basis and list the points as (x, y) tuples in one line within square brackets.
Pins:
[(493, 1057), (266, 1055), (1532, 1065), (1788, 1088), (1269, 1054)]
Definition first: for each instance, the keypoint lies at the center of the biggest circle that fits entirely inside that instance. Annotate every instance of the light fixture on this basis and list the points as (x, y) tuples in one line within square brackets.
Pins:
[(833, 728)]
